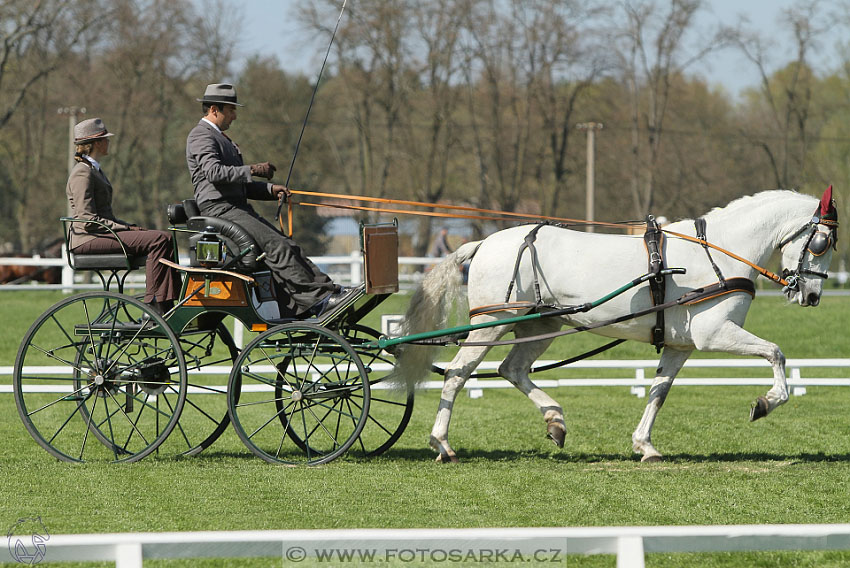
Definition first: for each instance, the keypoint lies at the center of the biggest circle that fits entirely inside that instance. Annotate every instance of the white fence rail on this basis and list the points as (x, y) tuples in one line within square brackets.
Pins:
[(638, 382), (348, 269), (376, 546)]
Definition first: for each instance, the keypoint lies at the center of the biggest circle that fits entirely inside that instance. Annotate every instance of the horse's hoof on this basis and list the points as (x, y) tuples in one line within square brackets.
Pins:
[(445, 458), (758, 409), (652, 458), (556, 432)]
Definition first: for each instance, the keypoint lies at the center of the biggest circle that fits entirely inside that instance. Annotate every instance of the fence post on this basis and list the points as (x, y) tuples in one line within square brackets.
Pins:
[(630, 552), (67, 274), (128, 555), (354, 268)]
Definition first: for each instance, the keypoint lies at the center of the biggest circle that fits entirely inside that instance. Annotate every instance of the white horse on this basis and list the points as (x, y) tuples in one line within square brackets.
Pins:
[(578, 267)]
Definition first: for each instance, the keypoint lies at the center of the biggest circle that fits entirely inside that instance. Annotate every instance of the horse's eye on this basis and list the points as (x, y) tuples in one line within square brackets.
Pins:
[(819, 243)]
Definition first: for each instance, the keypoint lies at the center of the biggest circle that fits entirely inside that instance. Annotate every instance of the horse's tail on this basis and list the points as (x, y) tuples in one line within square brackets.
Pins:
[(428, 311)]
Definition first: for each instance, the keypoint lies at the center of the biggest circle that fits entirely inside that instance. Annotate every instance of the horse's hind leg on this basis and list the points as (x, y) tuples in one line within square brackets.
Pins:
[(668, 367), (457, 372), (515, 369)]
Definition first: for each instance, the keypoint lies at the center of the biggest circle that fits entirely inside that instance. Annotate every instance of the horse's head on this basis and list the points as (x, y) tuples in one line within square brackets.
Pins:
[(807, 252)]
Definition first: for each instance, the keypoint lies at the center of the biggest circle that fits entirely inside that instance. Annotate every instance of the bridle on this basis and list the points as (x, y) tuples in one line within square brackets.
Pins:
[(817, 243)]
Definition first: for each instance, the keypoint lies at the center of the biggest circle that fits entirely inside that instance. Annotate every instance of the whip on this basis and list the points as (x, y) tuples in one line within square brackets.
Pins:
[(307, 115)]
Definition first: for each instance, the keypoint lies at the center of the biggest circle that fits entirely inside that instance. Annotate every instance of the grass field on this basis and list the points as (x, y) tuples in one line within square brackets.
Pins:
[(793, 467)]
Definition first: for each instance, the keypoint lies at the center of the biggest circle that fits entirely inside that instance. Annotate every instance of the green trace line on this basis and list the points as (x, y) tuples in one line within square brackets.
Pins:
[(384, 342)]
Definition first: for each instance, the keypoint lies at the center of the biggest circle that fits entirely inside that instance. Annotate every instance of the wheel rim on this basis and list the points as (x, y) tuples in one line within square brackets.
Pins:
[(390, 408), (298, 395), (93, 384)]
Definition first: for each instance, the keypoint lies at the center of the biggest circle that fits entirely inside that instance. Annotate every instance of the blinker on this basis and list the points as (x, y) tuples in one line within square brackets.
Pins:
[(820, 242)]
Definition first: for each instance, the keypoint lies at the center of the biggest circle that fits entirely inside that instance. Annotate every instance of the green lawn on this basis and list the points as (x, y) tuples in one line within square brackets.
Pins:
[(792, 467)]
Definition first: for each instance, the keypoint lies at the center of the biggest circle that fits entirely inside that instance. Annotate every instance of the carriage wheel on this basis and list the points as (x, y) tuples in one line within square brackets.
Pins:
[(299, 395), (204, 417), (390, 407), (99, 377)]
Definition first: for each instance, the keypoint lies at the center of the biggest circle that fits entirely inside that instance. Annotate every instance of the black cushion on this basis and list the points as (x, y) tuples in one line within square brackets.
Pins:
[(191, 208)]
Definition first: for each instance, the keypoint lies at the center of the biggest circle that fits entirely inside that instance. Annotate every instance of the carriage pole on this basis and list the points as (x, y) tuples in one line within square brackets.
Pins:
[(384, 342)]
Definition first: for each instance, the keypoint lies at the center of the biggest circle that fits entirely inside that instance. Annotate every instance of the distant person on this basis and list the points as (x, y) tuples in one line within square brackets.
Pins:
[(223, 186), (440, 247), (90, 197)]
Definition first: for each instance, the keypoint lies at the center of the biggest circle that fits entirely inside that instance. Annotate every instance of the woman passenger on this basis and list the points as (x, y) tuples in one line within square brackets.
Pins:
[(90, 197)]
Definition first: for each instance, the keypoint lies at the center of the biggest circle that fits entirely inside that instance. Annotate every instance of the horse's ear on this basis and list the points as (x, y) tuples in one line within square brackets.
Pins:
[(826, 203)]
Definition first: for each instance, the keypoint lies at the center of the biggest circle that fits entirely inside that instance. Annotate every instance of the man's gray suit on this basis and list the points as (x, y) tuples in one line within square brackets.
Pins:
[(223, 185)]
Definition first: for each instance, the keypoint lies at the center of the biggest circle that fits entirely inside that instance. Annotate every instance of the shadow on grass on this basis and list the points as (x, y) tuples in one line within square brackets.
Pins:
[(425, 455)]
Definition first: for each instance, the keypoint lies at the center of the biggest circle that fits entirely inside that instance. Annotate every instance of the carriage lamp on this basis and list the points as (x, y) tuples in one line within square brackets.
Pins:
[(209, 250)]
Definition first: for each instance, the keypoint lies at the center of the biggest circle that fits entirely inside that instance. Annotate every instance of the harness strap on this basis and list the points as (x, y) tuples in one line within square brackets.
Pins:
[(700, 226), (547, 367), (528, 244), (695, 296), (508, 306), (653, 240)]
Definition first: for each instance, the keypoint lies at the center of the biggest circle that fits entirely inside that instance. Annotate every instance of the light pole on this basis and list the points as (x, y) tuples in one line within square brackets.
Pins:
[(72, 113), (591, 128)]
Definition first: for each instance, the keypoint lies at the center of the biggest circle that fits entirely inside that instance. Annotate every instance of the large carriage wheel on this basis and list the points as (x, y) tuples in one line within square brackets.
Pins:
[(390, 406), (298, 394), (99, 377), (204, 417)]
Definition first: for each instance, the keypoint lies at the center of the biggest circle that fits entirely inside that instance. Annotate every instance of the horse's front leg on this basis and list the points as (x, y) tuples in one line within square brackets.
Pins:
[(732, 338), (668, 367)]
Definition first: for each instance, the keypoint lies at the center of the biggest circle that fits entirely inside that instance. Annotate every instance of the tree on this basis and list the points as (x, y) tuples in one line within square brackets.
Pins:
[(654, 49), (782, 105), (37, 37)]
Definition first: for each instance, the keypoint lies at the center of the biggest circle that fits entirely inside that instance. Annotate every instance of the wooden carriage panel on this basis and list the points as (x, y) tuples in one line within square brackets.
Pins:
[(380, 258), (224, 290)]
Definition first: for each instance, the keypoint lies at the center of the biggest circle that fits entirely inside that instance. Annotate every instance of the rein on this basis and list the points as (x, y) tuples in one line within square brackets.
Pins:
[(763, 271), (502, 215)]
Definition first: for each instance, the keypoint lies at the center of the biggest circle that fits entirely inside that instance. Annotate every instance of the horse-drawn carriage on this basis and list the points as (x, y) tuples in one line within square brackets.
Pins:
[(101, 376)]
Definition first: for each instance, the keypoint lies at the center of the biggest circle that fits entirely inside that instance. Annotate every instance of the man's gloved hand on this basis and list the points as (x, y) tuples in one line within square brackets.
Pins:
[(281, 192), (263, 170)]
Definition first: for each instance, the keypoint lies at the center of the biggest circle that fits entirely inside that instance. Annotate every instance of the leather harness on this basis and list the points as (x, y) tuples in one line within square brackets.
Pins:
[(653, 240), (656, 277)]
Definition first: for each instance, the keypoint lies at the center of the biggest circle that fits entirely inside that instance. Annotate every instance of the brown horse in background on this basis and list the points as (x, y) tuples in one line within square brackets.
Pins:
[(18, 274)]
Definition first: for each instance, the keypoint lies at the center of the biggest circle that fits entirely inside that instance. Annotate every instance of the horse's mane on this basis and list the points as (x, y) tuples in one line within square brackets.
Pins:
[(752, 202)]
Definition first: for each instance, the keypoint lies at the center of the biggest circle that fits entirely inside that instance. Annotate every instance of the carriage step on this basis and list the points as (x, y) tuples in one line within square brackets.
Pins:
[(146, 329)]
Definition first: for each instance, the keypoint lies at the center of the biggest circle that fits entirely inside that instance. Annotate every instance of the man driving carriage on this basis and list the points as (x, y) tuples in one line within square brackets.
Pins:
[(222, 186)]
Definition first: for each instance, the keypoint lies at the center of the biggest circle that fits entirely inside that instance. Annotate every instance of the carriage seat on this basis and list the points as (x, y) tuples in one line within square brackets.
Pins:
[(236, 239), (111, 261), (116, 265)]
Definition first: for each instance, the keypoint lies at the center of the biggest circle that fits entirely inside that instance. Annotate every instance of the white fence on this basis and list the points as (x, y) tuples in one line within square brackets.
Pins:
[(348, 270), (638, 382), (376, 546)]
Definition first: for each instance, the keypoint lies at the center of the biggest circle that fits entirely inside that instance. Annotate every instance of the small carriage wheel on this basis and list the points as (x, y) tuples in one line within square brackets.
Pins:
[(298, 394), (204, 417), (389, 409), (99, 377)]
